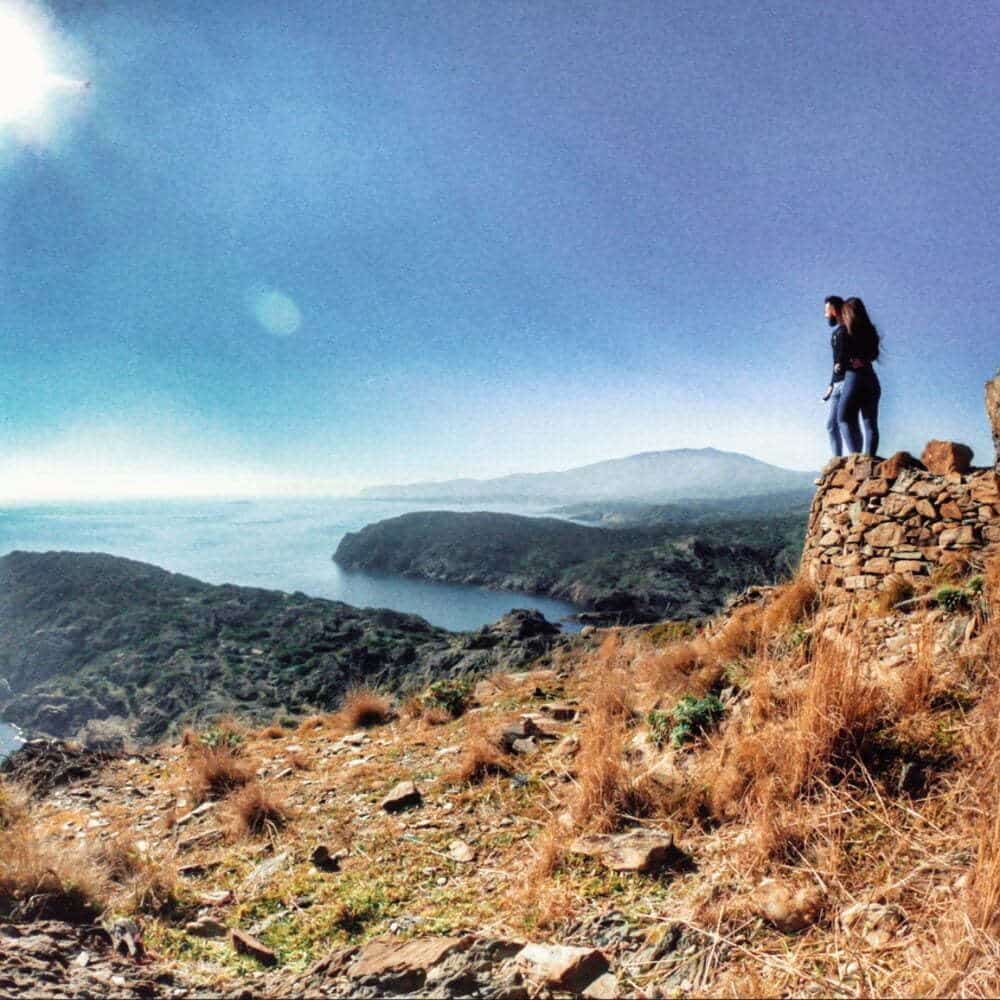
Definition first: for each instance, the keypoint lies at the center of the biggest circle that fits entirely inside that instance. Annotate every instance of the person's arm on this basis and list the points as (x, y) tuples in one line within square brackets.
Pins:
[(840, 360)]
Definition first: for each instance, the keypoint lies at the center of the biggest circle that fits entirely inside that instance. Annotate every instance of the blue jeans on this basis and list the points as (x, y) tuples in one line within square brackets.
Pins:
[(832, 427), (859, 398)]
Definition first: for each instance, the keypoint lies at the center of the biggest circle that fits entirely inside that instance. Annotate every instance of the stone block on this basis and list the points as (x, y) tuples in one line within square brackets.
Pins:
[(861, 582), (880, 566), (839, 496), (926, 509), (951, 511), (885, 536), (873, 488), (898, 505), (909, 566), (951, 537), (942, 457), (893, 466)]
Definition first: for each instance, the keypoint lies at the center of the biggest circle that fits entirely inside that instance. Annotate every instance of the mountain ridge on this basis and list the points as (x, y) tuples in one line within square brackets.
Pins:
[(679, 473)]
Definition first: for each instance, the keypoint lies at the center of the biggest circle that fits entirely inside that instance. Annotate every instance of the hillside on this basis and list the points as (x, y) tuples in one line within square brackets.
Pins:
[(799, 799), (683, 473), (94, 644), (631, 574)]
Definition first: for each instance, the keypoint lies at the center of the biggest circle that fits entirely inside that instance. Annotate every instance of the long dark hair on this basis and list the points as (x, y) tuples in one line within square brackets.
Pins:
[(859, 326)]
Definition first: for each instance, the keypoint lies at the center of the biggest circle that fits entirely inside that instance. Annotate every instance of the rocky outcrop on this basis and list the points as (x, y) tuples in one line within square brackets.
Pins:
[(993, 412), (872, 519)]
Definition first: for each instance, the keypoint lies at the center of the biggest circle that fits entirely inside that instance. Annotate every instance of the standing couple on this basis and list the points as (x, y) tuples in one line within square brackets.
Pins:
[(854, 389)]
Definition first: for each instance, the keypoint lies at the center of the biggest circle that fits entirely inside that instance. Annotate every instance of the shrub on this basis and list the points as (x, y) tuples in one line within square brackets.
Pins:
[(216, 771), (483, 757), (364, 708), (41, 880), (274, 732), (450, 694), (256, 812), (660, 724), (693, 716)]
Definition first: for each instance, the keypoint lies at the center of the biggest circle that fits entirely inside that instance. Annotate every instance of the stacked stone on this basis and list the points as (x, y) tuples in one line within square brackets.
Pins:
[(873, 519)]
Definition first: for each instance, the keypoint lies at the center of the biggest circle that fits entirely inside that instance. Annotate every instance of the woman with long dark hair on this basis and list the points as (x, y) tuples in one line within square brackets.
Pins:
[(862, 391)]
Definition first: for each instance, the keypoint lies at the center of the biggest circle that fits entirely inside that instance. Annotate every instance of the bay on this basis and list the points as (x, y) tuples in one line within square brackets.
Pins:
[(278, 544), (10, 739)]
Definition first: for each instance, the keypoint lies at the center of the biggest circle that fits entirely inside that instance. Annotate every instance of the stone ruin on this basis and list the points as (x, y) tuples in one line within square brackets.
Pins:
[(873, 519)]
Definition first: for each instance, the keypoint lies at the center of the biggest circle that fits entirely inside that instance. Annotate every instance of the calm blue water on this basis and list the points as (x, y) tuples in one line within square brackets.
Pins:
[(10, 739), (278, 544)]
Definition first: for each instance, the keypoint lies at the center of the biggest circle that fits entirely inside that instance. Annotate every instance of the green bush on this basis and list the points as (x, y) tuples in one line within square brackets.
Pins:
[(692, 716), (660, 725), (450, 694)]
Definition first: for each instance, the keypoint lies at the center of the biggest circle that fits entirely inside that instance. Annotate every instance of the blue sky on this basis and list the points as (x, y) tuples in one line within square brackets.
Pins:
[(308, 246)]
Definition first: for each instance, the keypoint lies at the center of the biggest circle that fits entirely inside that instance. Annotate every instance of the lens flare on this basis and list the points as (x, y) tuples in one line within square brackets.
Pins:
[(24, 67), (276, 312), (31, 83)]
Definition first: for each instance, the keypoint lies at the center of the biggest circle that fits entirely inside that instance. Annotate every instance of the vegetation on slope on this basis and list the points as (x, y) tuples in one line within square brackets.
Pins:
[(113, 645), (835, 825), (639, 574)]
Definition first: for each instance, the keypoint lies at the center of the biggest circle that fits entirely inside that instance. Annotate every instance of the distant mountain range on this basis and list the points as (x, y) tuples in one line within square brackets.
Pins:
[(678, 474)]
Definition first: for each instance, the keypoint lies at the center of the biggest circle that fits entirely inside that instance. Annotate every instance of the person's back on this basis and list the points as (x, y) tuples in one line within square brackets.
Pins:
[(862, 390)]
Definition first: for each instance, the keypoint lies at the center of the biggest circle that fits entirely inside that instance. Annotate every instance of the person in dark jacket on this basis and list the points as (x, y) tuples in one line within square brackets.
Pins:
[(861, 392), (833, 304)]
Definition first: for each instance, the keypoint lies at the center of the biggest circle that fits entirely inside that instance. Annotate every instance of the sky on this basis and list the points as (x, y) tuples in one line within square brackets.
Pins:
[(249, 247)]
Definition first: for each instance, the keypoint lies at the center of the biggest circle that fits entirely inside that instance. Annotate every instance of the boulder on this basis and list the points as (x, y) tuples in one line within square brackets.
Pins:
[(405, 795), (644, 851), (787, 907), (563, 967), (408, 960), (942, 457), (246, 944)]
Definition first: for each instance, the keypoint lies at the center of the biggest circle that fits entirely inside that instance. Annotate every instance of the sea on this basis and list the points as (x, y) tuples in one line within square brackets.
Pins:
[(279, 544)]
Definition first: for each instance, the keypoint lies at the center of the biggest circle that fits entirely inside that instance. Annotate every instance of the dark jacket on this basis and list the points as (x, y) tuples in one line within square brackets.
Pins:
[(840, 359), (861, 348)]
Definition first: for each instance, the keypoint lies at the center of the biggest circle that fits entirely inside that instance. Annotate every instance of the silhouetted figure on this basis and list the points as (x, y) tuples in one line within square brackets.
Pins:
[(862, 391)]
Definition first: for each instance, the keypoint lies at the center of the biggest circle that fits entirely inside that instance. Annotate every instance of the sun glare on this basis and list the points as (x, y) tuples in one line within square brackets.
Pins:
[(24, 69), (28, 76)]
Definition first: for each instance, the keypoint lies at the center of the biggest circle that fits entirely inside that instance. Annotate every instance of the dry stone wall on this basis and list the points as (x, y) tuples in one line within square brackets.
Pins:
[(871, 519)]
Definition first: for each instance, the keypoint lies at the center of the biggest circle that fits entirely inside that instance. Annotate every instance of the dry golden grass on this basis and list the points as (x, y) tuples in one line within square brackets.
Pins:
[(312, 723), (189, 737), (435, 716), (140, 882), (895, 590), (215, 771), (609, 794), (790, 605), (40, 879), (256, 811), (14, 803), (412, 707), (364, 708), (299, 761), (482, 757), (272, 732)]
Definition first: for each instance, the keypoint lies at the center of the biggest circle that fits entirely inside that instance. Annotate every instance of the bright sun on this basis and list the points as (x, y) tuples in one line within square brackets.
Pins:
[(27, 79)]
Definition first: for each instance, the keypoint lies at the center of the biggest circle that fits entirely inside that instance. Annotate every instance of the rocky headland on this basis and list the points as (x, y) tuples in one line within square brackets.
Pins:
[(97, 646), (629, 574)]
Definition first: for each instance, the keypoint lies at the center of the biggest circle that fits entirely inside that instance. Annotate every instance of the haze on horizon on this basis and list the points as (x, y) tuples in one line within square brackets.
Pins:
[(248, 248)]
